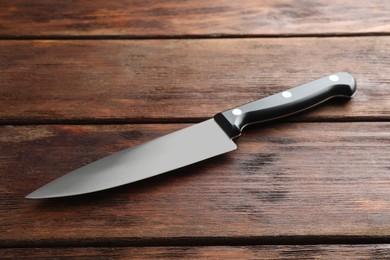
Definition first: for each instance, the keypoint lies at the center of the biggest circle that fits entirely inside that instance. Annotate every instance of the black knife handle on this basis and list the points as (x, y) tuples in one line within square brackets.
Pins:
[(285, 103)]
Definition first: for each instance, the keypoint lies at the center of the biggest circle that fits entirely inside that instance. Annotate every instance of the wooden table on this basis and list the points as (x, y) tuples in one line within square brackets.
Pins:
[(80, 80)]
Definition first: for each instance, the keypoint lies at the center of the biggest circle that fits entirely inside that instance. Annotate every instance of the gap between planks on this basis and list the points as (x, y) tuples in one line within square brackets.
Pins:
[(189, 36), (199, 241), (134, 121)]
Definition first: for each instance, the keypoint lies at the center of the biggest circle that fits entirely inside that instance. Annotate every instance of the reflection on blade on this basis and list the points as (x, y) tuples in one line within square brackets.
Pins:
[(169, 152)]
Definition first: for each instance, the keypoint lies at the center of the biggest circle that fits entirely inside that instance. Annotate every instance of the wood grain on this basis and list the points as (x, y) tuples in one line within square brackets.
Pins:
[(80, 80), (285, 180), (380, 251), (47, 81), (173, 18)]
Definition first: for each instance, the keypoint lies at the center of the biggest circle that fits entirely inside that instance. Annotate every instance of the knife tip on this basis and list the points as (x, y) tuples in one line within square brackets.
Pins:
[(32, 195), (38, 194), (43, 193)]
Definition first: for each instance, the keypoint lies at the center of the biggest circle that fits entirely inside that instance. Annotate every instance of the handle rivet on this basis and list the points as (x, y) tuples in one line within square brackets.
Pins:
[(237, 112), (286, 94), (333, 78)]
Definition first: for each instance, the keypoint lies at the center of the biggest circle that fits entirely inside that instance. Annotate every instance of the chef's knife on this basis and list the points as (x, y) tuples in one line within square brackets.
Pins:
[(195, 143)]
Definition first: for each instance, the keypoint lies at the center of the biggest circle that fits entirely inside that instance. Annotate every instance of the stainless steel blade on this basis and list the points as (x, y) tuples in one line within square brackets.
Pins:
[(169, 152)]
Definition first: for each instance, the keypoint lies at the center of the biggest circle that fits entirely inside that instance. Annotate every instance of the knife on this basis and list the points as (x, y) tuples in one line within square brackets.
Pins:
[(195, 143)]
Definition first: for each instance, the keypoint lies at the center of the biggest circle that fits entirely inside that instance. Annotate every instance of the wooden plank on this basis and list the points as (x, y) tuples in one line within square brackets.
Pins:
[(380, 251), (285, 180), (191, 18), (188, 80)]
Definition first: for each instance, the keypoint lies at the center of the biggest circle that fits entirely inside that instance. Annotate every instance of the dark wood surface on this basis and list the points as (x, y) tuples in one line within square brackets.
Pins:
[(173, 18), (181, 80), (380, 251), (84, 79)]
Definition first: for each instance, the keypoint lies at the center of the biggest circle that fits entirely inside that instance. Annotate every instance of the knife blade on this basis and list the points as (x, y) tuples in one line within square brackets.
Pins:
[(195, 143)]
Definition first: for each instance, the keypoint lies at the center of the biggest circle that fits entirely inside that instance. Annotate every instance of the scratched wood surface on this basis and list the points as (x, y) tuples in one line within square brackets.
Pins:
[(80, 80), (341, 252), (173, 18), (184, 80), (285, 180)]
